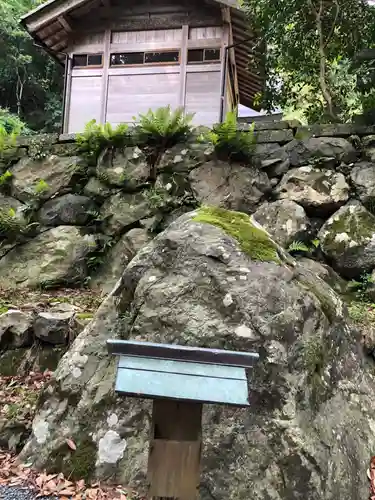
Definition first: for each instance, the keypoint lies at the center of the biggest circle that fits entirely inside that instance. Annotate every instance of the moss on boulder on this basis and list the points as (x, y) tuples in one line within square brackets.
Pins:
[(255, 242)]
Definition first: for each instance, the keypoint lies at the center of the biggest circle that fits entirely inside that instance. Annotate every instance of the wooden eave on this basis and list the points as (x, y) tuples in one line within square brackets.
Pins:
[(52, 23)]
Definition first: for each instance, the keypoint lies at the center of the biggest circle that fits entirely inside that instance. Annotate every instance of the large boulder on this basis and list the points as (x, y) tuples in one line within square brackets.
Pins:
[(348, 240), (41, 179), (362, 177), (57, 256), (320, 192), (122, 210), (231, 186), (309, 432), (126, 168), (67, 209), (118, 258), (285, 220), (335, 149)]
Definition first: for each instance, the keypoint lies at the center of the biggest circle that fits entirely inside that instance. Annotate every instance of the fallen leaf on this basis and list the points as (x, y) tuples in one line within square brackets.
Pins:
[(71, 444)]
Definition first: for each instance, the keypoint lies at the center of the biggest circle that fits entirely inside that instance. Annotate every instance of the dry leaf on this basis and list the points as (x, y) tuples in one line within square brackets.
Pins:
[(71, 444)]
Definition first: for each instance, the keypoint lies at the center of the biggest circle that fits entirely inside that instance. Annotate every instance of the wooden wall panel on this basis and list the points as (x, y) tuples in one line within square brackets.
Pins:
[(146, 36), (90, 42), (205, 33), (129, 95), (203, 96), (84, 102)]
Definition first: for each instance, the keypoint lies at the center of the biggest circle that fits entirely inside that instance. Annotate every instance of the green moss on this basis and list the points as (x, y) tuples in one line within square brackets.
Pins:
[(252, 240), (85, 315), (76, 464)]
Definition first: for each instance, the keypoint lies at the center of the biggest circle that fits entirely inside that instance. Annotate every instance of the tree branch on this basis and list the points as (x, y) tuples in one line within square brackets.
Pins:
[(322, 58), (330, 34)]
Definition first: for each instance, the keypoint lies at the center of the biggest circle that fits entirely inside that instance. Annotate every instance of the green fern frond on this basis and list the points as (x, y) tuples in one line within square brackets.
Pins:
[(229, 142), (163, 126), (97, 137), (298, 246)]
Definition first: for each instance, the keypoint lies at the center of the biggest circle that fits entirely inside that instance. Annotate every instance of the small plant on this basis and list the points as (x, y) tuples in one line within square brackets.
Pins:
[(41, 187), (97, 137), (7, 139), (161, 129), (360, 287), (230, 142), (158, 198), (299, 247), (5, 178), (10, 224)]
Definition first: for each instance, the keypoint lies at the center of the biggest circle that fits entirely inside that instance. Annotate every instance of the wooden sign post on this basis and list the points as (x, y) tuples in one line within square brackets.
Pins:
[(180, 379)]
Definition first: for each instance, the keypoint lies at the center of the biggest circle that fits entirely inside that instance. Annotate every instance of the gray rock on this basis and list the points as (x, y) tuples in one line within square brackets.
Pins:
[(186, 156), (127, 168), (57, 256), (118, 258), (122, 210), (327, 274), (312, 148), (348, 239), (285, 221), (231, 186), (269, 136), (98, 190), (42, 179), (13, 211), (272, 158), (55, 327), (362, 177), (8, 203), (320, 192), (65, 210), (15, 329), (309, 430), (368, 142), (13, 435)]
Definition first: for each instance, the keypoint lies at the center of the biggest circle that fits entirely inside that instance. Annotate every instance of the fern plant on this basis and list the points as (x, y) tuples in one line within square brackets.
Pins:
[(230, 142), (97, 137), (161, 129), (298, 246), (7, 139)]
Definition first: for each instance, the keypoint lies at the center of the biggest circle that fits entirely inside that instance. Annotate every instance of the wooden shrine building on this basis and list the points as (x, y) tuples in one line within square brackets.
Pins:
[(123, 57)]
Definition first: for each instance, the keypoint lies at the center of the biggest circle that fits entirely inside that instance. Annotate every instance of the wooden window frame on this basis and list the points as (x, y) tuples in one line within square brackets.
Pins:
[(87, 54), (145, 65), (214, 61)]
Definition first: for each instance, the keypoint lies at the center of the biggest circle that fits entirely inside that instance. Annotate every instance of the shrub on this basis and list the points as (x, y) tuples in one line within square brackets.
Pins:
[(97, 137), (12, 123), (230, 142)]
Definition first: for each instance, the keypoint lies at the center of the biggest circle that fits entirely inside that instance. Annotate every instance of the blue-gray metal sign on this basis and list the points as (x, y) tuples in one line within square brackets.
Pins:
[(182, 373)]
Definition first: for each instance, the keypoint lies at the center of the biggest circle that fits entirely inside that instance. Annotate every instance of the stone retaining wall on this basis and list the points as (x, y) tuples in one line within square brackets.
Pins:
[(66, 223)]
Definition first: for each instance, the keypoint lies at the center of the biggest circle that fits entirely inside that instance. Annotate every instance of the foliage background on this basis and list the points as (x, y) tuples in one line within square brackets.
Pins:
[(30, 81)]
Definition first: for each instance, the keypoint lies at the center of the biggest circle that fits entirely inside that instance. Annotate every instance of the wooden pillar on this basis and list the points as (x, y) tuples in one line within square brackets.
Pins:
[(183, 64), (68, 90), (104, 92), (175, 449)]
